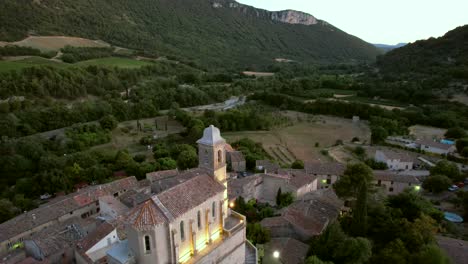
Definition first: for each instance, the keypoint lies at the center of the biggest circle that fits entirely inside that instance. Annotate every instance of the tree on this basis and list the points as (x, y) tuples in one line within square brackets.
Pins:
[(448, 169), (431, 254), (316, 260), (455, 133), (7, 210), (257, 234), (297, 164), (437, 183), (360, 152), (378, 134), (461, 144), (278, 196), (355, 184), (167, 163), (108, 122), (187, 159), (411, 205), (123, 160), (464, 152)]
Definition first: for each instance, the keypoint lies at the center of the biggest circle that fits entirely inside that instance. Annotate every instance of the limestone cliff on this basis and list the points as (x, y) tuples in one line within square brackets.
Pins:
[(285, 16)]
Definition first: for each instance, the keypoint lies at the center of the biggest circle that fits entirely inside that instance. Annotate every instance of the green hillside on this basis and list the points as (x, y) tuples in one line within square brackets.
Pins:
[(440, 56), (238, 36)]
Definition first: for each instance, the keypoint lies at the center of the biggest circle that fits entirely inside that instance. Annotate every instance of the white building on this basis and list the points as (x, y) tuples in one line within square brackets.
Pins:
[(395, 160), (435, 147)]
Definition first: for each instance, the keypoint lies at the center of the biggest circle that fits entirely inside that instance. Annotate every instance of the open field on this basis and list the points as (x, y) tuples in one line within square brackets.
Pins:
[(29, 61), (114, 61), (258, 74), (55, 43), (426, 132), (298, 140), (127, 136)]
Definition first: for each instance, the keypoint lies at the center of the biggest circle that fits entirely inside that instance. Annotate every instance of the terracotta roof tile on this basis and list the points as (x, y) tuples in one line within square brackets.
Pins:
[(333, 168), (158, 175), (189, 194), (236, 156), (146, 216), (94, 237)]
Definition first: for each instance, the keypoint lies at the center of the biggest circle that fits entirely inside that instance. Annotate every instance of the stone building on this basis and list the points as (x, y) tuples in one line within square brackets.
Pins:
[(395, 160), (190, 221)]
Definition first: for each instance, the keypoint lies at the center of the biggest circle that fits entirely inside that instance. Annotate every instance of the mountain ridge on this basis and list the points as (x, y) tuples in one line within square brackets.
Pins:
[(201, 31)]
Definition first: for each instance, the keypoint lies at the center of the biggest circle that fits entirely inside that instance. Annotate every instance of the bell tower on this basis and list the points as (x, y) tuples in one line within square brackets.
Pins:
[(212, 153)]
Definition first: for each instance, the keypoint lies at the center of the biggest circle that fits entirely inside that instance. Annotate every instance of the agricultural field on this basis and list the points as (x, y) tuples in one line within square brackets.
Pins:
[(127, 136), (427, 132), (55, 43), (461, 98), (114, 61), (26, 62), (299, 140)]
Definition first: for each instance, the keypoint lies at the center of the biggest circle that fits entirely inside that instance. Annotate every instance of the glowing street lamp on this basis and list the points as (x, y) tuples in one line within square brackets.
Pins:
[(231, 205), (276, 254), (417, 188)]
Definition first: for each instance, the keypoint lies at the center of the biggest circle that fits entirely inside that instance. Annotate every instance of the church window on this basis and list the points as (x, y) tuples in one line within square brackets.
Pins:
[(220, 156), (206, 157), (147, 243), (213, 209), (182, 233), (199, 219)]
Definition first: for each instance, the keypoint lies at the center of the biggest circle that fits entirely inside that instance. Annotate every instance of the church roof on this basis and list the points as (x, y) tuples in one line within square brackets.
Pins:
[(145, 216), (211, 136), (189, 194)]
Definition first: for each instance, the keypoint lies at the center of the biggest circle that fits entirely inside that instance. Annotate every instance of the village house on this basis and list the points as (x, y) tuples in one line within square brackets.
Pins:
[(291, 251), (235, 159), (306, 217), (83, 204), (394, 183), (326, 173), (435, 147), (264, 186), (395, 160)]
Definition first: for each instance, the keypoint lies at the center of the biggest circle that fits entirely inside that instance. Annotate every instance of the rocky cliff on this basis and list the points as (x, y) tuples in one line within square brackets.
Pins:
[(285, 16)]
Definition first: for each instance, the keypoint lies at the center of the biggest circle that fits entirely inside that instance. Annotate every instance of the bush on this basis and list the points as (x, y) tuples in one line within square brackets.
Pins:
[(297, 164), (455, 133), (139, 158), (108, 122), (437, 183)]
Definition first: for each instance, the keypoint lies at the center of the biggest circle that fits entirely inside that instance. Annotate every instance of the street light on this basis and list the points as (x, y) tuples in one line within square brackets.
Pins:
[(231, 205), (276, 254)]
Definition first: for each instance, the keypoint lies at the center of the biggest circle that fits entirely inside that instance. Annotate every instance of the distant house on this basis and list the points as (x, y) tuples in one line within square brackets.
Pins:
[(93, 247), (435, 147), (395, 183), (395, 160), (266, 166), (326, 173), (264, 187), (236, 160)]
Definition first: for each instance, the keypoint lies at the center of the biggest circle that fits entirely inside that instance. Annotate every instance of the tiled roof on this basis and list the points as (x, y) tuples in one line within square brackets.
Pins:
[(333, 168), (163, 184), (133, 198), (267, 165), (62, 206), (297, 178), (395, 177), (146, 216), (291, 250), (228, 148), (189, 194), (236, 186), (314, 211), (236, 156), (158, 175), (274, 222), (401, 155), (94, 237), (117, 206)]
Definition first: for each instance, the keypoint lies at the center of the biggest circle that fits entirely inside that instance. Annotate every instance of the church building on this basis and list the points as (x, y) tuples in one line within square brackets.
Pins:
[(190, 222)]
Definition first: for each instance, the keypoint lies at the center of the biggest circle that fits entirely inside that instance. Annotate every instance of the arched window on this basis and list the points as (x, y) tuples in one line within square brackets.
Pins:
[(182, 233), (220, 156), (205, 158), (199, 219), (213, 209), (147, 243)]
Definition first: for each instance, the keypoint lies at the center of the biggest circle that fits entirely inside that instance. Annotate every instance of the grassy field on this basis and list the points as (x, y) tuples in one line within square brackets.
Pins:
[(55, 43), (298, 141), (426, 132), (29, 62), (114, 61)]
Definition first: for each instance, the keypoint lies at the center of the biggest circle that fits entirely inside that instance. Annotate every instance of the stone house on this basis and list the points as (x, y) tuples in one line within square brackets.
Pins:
[(435, 147), (394, 183), (395, 160)]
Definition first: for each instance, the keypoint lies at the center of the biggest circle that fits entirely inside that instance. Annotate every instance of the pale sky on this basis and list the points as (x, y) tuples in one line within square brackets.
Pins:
[(376, 21)]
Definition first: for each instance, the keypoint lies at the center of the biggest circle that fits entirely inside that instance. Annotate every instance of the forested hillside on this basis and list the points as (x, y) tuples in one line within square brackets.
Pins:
[(444, 55), (211, 34)]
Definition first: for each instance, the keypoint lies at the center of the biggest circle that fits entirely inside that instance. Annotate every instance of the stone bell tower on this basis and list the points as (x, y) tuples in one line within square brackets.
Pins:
[(212, 154)]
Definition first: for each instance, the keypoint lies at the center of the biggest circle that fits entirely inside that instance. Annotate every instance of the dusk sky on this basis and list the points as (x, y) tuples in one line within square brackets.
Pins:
[(387, 22)]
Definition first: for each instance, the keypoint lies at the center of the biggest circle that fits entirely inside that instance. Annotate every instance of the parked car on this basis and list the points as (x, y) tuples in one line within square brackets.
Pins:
[(453, 188), (460, 184)]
